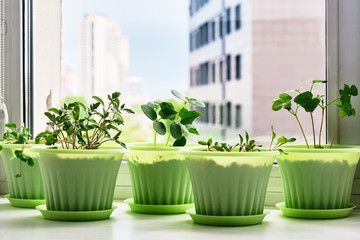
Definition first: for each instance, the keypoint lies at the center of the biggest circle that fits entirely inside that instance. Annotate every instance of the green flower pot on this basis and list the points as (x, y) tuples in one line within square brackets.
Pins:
[(229, 183), (30, 184), (79, 180), (318, 178), (158, 175)]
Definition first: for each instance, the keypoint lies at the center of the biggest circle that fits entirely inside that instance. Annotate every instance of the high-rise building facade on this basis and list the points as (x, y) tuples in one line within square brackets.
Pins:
[(244, 53), (104, 56)]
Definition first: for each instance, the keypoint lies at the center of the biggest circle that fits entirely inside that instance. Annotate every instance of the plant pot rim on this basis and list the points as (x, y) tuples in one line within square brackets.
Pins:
[(15, 146), (336, 149), (146, 146), (202, 151), (101, 150)]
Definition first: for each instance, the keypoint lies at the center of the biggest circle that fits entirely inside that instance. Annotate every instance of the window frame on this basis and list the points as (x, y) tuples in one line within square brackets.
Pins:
[(342, 41)]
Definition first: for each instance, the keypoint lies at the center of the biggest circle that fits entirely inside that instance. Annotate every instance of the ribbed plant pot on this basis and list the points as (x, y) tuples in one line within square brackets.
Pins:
[(229, 183), (159, 175), (318, 178), (79, 180), (30, 184)]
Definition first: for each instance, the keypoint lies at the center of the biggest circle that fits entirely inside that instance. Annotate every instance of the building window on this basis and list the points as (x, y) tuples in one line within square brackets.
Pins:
[(213, 30), (228, 67), (228, 20), (221, 70), (228, 112), (221, 114), (213, 72), (214, 114), (238, 66), (191, 77), (206, 112), (238, 17), (221, 27), (238, 116)]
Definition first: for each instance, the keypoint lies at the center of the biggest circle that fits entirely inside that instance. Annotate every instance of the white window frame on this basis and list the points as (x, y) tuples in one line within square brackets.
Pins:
[(342, 61)]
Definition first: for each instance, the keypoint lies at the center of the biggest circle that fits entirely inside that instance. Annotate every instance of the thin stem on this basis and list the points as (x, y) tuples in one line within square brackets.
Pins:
[(302, 130), (167, 141), (322, 123), (337, 128), (313, 128), (154, 137), (332, 102)]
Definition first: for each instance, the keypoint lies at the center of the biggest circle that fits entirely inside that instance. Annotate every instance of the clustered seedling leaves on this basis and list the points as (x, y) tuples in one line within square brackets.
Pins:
[(89, 132), (20, 135), (248, 145), (309, 103), (181, 122)]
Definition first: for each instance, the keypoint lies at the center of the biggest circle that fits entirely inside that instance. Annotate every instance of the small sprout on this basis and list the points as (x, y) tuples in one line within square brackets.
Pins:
[(22, 136), (310, 103), (181, 122), (99, 125)]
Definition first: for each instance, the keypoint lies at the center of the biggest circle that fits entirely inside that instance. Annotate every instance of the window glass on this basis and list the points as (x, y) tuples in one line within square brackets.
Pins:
[(133, 47)]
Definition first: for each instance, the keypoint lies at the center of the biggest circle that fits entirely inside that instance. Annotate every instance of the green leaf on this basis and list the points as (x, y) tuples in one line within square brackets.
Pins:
[(175, 131), (11, 125), (178, 95), (50, 116), (307, 101), (180, 142), (115, 95), (54, 110), (192, 129), (273, 133), (99, 100), (202, 143), (284, 97), (196, 102), (167, 111), (159, 127), (149, 112), (188, 117), (318, 81), (353, 90)]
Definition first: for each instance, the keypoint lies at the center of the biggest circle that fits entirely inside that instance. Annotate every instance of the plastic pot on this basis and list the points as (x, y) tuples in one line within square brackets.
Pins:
[(79, 180), (229, 183), (30, 184), (318, 178), (159, 175)]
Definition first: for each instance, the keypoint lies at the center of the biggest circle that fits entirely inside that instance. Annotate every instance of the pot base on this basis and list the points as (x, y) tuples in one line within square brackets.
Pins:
[(24, 203), (75, 215), (158, 209), (314, 213), (226, 220)]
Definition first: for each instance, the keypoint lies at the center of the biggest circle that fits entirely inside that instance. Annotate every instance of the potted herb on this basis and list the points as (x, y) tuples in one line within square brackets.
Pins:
[(317, 178), (230, 182), (159, 177), (21, 168), (79, 172)]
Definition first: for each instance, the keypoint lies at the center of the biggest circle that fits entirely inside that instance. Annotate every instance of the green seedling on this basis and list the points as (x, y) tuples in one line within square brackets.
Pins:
[(76, 126), (247, 145), (181, 122), (21, 135), (310, 103)]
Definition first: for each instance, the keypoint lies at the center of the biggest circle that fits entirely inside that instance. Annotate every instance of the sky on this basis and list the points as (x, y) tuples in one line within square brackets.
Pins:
[(158, 37)]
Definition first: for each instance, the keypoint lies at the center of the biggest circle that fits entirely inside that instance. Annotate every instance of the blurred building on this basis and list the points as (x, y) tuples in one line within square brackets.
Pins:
[(104, 56), (244, 53)]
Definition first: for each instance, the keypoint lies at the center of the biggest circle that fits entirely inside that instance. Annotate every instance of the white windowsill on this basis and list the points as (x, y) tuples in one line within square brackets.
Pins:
[(17, 223)]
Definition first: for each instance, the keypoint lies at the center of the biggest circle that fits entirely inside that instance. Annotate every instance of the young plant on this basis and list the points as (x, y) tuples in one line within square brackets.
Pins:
[(309, 103), (73, 131), (181, 122), (248, 145), (20, 135)]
